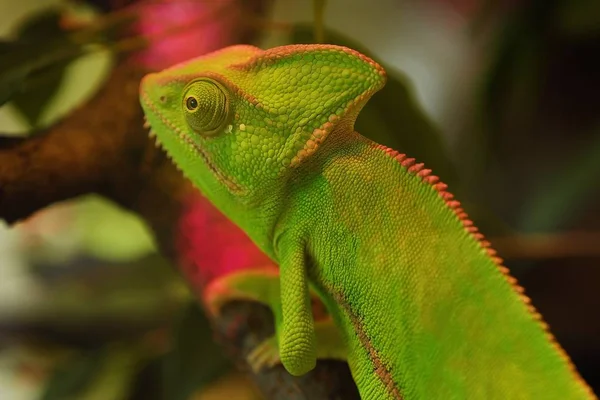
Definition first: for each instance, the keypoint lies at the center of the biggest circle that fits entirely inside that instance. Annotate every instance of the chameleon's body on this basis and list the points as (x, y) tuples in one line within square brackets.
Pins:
[(424, 307)]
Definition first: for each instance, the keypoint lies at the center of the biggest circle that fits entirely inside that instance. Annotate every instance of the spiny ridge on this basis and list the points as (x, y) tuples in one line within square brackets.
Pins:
[(158, 144), (425, 175)]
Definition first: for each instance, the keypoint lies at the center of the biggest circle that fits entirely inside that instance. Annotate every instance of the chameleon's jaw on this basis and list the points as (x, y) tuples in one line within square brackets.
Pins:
[(178, 145), (152, 135)]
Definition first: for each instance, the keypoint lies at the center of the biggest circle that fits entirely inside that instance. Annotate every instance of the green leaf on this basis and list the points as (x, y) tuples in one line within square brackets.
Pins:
[(42, 79), (393, 117), (195, 359), (108, 232), (72, 378), (15, 67)]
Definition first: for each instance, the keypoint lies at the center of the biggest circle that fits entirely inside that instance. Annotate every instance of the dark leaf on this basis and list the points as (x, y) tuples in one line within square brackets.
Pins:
[(148, 384), (195, 359), (75, 376), (19, 70), (19, 59), (42, 80), (37, 91), (392, 117), (41, 25)]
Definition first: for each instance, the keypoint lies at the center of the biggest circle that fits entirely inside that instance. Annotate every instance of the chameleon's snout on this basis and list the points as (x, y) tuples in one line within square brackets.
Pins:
[(156, 93), (150, 88), (146, 82)]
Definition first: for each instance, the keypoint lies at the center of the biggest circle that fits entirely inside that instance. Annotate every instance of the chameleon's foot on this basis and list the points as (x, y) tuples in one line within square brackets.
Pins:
[(265, 355), (298, 352)]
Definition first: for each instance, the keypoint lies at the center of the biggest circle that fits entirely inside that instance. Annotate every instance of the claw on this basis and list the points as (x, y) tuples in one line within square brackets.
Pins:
[(265, 355)]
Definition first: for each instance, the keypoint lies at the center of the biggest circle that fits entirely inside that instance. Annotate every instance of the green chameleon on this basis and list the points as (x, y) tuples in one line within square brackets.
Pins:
[(424, 308)]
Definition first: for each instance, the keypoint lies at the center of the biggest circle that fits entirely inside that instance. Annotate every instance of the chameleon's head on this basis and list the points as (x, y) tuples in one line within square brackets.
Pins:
[(239, 119)]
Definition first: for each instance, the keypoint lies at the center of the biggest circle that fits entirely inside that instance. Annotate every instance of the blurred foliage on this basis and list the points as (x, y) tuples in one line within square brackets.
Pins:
[(45, 46), (36, 90), (95, 223), (579, 17), (566, 196), (537, 125), (23, 62), (72, 378), (104, 373), (194, 359), (148, 368), (89, 224), (29, 69)]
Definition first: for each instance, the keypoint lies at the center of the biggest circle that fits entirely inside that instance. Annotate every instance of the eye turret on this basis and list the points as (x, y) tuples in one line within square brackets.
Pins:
[(206, 106)]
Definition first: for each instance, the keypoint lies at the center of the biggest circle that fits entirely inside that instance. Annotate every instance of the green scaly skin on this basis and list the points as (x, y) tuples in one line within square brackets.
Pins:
[(424, 307)]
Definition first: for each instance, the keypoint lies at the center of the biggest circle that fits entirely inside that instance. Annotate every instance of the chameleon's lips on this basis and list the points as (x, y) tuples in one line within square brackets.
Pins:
[(183, 137)]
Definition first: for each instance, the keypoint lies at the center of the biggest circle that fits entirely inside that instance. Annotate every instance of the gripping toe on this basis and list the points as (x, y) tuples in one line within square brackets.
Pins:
[(265, 355)]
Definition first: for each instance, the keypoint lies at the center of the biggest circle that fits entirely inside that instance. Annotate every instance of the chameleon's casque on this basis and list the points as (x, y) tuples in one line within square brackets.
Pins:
[(424, 308)]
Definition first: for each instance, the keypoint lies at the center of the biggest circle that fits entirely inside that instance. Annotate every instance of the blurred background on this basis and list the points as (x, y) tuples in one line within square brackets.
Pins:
[(500, 98)]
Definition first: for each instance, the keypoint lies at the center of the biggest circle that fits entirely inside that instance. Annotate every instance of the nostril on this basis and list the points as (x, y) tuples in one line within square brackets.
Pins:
[(163, 98)]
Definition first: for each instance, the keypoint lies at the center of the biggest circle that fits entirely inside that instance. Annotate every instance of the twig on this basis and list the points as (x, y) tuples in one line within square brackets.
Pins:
[(548, 245), (319, 10)]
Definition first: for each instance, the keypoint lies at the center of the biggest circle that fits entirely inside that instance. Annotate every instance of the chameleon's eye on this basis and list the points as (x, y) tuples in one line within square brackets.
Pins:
[(206, 106), (191, 103)]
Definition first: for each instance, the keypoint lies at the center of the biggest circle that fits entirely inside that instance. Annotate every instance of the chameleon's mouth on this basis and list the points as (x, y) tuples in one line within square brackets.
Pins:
[(188, 141)]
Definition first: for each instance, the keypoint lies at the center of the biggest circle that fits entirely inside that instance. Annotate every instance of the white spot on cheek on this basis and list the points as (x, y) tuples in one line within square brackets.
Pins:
[(229, 128), (242, 127)]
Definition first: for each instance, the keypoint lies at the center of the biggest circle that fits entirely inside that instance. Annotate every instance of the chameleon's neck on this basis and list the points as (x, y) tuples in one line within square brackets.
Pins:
[(257, 214), (340, 142), (265, 215)]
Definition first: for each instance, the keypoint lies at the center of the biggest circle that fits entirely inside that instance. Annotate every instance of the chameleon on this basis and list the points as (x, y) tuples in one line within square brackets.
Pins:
[(422, 304)]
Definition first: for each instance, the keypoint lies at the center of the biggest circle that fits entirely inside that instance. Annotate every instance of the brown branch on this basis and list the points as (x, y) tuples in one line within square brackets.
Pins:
[(244, 325), (82, 154), (548, 245)]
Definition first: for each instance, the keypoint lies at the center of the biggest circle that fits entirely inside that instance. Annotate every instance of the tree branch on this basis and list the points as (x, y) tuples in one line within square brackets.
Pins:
[(548, 245)]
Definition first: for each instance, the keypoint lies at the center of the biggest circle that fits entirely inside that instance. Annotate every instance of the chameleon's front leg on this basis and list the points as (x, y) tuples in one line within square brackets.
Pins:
[(294, 342), (297, 342), (262, 285)]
